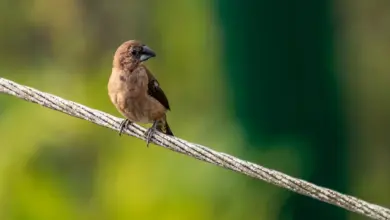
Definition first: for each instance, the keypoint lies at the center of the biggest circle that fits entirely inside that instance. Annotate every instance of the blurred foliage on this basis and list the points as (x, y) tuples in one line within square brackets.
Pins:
[(278, 97), (53, 166)]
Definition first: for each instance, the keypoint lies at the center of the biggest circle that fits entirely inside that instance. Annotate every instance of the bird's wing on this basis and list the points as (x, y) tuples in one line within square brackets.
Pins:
[(155, 90)]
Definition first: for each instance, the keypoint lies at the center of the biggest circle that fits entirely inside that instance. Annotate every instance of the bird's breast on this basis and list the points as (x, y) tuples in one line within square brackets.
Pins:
[(129, 94)]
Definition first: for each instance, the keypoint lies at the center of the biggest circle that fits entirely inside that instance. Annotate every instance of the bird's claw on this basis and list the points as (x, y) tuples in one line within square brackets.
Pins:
[(149, 133), (124, 123)]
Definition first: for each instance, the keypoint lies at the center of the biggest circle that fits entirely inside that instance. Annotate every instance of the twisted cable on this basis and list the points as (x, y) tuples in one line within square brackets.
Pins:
[(197, 151)]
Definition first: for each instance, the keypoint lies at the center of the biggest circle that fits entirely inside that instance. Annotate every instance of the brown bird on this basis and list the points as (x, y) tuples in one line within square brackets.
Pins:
[(135, 92)]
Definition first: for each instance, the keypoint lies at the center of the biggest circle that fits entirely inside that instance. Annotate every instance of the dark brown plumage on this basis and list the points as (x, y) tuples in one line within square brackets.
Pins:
[(135, 92)]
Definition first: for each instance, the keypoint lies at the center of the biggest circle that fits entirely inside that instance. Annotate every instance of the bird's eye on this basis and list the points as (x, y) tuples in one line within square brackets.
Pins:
[(134, 52)]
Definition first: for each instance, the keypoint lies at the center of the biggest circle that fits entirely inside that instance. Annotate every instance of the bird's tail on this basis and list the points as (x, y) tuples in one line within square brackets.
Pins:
[(168, 129), (163, 127)]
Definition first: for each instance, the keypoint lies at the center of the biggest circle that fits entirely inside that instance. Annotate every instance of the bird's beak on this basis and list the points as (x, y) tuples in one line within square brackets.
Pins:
[(146, 53)]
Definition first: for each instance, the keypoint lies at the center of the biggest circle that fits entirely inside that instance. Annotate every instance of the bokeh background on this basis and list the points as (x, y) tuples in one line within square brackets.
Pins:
[(299, 86)]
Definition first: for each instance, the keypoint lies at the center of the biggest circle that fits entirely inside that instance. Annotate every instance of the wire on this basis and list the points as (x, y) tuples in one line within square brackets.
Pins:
[(197, 151)]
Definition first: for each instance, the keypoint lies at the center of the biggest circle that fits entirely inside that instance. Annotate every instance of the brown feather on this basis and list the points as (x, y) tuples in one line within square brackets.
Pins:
[(134, 91), (156, 91)]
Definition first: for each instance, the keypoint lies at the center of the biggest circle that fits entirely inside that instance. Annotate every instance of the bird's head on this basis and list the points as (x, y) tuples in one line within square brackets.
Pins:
[(132, 52)]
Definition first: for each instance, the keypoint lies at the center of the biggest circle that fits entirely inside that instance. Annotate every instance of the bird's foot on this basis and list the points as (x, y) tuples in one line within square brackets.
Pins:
[(124, 123), (149, 133)]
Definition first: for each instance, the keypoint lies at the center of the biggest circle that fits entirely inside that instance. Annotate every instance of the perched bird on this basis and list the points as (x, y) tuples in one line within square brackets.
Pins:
[(135, 92)]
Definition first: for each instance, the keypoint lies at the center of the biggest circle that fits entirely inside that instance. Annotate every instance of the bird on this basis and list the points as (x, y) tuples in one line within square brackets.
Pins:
[(135, 92)]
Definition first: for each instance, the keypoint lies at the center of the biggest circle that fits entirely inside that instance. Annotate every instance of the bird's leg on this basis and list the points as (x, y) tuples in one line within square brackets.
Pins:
[(124, 123), (150, 132)]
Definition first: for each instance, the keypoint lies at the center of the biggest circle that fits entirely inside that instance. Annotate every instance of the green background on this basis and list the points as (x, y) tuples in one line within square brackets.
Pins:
[(297, 86)]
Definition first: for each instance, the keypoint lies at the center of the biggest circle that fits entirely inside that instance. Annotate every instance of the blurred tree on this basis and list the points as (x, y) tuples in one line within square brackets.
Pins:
[(278, 61)]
